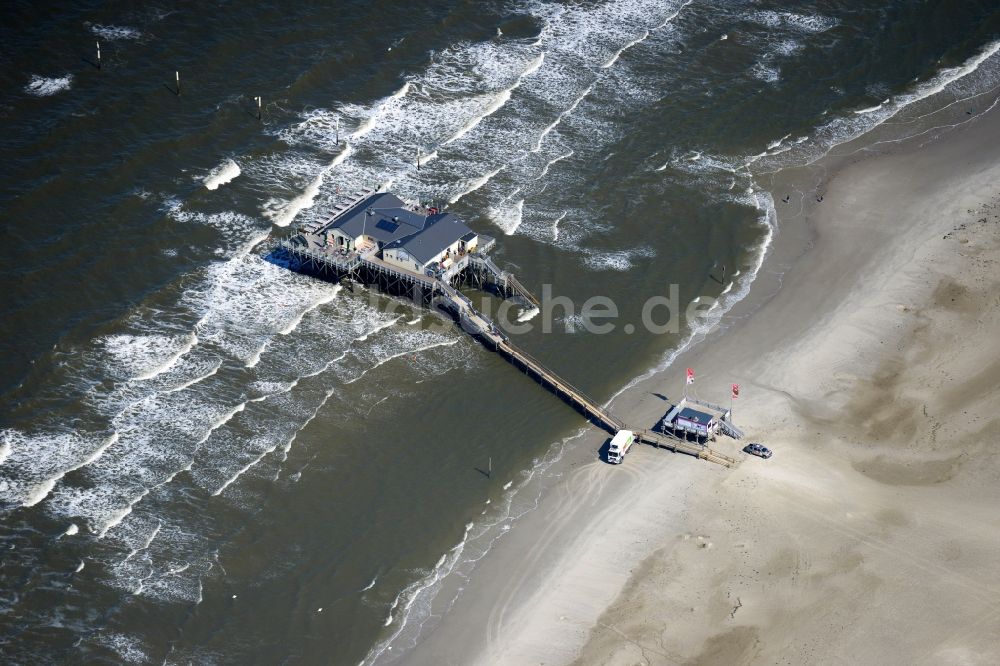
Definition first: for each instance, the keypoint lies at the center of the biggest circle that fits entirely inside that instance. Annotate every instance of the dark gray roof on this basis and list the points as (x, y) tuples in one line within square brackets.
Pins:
[(383, 216), (695, 415), (441, 230)]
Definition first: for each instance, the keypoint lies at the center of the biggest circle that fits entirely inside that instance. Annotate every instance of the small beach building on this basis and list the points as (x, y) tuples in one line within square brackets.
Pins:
[(409, 237), (383, 219), (691, 420), (700, 418), (443, 240)]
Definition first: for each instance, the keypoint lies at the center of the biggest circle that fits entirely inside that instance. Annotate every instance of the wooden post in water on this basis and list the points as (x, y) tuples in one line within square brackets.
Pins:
[(489, 471), (418, 158), (98, 55), (258, 107), (337, 125), (177, 77)]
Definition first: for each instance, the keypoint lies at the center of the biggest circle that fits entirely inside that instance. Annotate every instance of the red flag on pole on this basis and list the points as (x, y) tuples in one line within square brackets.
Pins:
[(736, 391), (690, 376)]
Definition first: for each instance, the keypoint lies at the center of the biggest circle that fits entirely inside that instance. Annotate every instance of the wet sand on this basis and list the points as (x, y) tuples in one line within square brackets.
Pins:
[(867, 351)]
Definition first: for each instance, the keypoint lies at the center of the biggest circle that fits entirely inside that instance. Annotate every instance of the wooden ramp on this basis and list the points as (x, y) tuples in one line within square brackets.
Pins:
[(560, 387), (663, 441)]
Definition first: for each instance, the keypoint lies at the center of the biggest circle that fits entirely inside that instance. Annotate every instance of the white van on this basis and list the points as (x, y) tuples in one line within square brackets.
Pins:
[(620, 444)]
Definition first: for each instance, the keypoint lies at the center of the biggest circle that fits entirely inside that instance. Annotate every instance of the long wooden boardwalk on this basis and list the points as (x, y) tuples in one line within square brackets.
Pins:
[(483, 327), (313, 254)]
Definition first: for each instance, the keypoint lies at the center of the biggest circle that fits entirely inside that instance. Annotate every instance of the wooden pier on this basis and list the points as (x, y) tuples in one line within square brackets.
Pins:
[(492, 337), (308, 252)]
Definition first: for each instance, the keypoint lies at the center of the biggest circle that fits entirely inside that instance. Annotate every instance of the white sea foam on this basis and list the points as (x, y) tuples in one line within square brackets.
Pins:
[(222, 420), (146, 543), (113, 33), (609, 260), (572, 107), (555, 226), (611, 61), (71, 530), (381, 327), (323, 300), (462, 96), (442, 567), (807, 23), (42, 490), (392, 609), (474, 184), (553, 161), (283, 214), (36, 463), (671, 16), (195, 380), (787, 47), (243, 470), (872, 109), (508, 217), (170, 361), (840, 130), (765, 72), (128, 648), (41, 86), (369, 123), (108, 507), (116, 516), (777, 143), (241, 230), (254, 358), (528, 315), (382, 361), (499, 100), (222, 174), (492, 107), (245, 301)]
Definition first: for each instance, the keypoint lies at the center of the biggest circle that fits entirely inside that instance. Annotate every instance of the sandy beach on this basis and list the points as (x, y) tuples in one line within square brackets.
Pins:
[(867, 351)]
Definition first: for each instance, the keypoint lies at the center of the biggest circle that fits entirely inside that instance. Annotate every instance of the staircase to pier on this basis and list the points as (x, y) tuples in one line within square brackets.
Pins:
[(505, 279)]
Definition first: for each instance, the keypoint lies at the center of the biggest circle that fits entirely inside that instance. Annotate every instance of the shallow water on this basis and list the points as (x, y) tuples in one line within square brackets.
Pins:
[(207, 457)]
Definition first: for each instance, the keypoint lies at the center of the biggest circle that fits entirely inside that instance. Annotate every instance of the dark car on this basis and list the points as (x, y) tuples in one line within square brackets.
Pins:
[(758, 450)]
